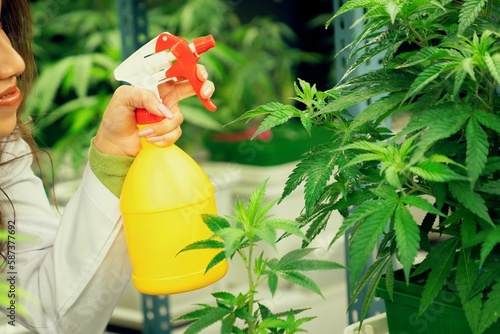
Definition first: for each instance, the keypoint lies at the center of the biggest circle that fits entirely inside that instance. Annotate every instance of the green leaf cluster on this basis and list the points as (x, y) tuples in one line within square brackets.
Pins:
[(440, 69), (252, 226)]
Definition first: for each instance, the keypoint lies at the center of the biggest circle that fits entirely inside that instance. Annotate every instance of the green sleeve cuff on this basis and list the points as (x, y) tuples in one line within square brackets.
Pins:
[(109, 169)]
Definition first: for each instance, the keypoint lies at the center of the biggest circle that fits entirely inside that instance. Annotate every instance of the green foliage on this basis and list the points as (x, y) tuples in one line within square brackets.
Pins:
[(253, 226), (77, 50), (441, 66), (78, 46)]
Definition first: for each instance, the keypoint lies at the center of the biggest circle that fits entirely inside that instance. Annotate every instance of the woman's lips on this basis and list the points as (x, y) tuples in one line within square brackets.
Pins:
[(10, 99)]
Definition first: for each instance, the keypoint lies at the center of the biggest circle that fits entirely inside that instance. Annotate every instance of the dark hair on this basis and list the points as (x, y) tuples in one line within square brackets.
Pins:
[(17, 25)]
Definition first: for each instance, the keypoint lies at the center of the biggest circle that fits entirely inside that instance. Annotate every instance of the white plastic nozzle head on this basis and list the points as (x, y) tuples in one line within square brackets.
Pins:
[(144, 68)]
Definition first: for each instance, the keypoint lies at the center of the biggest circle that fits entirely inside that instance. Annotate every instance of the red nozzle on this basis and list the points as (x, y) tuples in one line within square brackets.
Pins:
[(203, 44)]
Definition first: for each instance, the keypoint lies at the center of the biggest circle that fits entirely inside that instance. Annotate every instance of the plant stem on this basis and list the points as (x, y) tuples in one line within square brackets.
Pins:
[(251, 284), (419, 41)]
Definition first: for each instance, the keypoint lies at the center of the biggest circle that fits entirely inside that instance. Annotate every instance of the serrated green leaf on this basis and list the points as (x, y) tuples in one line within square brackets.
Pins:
[(354, 4), (203, 244), (407, 238), (307, 123), (467, 273), (492, 165), (272, 282), (266, 234), (320, 170), (318, 221), (227, 324), (442, 121), (468, 13), (389, 280), (218, 258), (215, 223), (376, 48), (365, 157), (359, 213), (421, 203), (434, 171), (427, 76), (278, 117), (492, 239), (386, 192), (470, 200), (489, 120), (477, 149), (379, 148), (391, 175), (442, 261), (444, 159), (274, 323), (255, 201), (365, 239), (289, 226), (227, 296), (489, 274), (264, 109), (311, 265), (293, 256), (490, 313), (263, 212), (232, 238), (460, 76), (492, 187), (265, 312), (468, 67), (468, 228), (301, 280), (376, 109), (393, 10), (373, 270), (493, 64), (209, 317), (357, 96), (436, 255)]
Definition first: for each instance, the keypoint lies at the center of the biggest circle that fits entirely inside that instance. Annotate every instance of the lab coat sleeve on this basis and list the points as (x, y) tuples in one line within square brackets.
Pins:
[(69, 271)]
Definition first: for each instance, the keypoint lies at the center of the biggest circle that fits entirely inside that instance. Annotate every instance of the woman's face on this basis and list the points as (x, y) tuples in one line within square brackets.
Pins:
[(11, 66)]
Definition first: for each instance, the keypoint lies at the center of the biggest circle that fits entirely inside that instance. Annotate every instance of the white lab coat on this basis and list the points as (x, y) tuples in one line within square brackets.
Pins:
[(73, 268)]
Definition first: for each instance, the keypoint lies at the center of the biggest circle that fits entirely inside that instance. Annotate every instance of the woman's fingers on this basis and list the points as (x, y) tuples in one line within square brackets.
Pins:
[(183, 89), (165, 132)]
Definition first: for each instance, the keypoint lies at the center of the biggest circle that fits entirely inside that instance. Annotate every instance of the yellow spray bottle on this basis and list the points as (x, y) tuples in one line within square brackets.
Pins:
[(166, 192)]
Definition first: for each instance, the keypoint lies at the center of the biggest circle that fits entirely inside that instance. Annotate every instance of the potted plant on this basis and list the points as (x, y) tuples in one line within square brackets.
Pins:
[(441, 69)]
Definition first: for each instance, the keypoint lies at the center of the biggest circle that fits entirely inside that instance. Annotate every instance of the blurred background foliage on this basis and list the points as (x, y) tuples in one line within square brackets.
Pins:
[(77, 48)]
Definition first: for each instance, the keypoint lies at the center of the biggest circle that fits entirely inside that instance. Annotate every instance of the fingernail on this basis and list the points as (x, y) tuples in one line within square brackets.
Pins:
[(207, 91), (165, 111), (204, 75), (154, 139), (146, 132)]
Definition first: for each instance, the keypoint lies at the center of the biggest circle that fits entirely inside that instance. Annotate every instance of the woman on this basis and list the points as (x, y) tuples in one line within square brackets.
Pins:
[(69, 272)]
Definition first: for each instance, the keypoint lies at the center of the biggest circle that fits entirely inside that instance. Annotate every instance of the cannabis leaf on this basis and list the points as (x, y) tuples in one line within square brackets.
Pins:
[(469, 12), (290, 265), (489, 313), (444, 254), (467, 274)]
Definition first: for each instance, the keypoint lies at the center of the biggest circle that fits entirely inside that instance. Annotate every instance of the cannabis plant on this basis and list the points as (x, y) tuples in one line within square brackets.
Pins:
[(247, 312), (441, 67)]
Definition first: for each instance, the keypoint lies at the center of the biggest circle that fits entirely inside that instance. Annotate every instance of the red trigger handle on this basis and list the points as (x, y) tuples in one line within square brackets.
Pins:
[(185, 65)]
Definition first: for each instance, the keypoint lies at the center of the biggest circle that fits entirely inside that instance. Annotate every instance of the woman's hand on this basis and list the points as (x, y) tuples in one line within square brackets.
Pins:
[(118, 134)]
